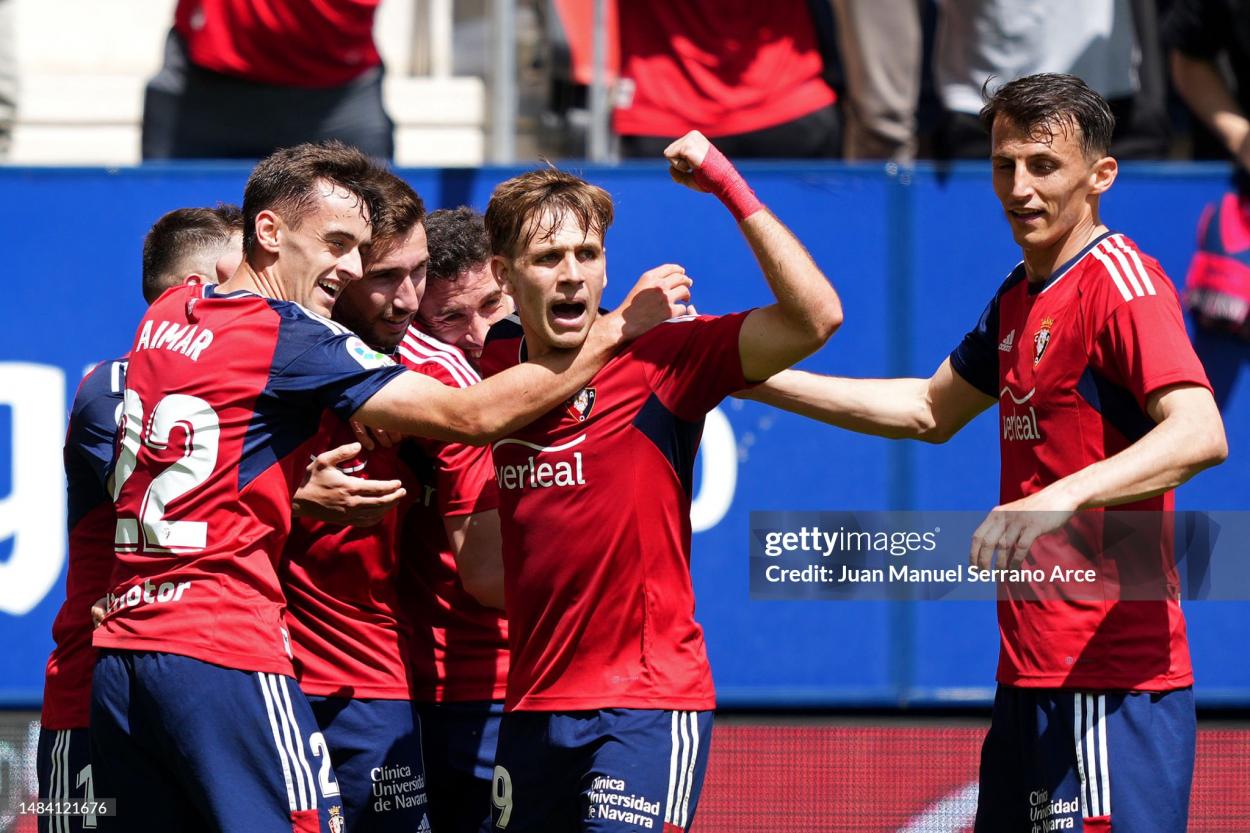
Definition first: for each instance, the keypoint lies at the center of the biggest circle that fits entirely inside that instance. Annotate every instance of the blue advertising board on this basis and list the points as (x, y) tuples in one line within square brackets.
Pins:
[(915, 257)]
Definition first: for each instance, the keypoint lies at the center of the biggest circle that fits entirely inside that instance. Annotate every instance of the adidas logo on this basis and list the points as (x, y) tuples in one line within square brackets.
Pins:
[(1006, 344), (425, 825)]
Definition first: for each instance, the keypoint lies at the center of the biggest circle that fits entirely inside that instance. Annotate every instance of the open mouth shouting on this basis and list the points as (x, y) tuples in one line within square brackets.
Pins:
[(568, 315)]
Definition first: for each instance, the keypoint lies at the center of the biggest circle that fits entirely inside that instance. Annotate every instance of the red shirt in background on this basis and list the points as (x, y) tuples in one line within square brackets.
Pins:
[(296, 43), (723, 67)]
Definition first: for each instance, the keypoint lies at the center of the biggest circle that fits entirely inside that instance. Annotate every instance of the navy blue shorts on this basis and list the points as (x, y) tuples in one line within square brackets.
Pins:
[(606, 771), (188, 745), (376, 749), (459, 740), (1119, 761), (63, 764)]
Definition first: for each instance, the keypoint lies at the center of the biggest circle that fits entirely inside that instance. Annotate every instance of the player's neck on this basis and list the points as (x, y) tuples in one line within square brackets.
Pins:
[(1040, 264), (535, 346), (260, 281)]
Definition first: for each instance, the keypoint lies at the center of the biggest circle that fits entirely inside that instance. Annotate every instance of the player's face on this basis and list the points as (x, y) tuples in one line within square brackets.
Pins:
[(230, 258), (380, 306), (460, 311), (556, 284), (321, 256), (1045, 187)]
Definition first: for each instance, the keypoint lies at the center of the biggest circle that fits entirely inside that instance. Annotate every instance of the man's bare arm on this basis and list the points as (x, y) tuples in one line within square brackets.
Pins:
[(416, 404), (477, 545), (807, 311), (1201, 85), (1188, 437), (932, 410)]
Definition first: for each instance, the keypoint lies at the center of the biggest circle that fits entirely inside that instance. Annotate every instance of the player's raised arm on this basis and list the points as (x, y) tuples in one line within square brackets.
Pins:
[(415, 404), (807, 311), (932, 409)]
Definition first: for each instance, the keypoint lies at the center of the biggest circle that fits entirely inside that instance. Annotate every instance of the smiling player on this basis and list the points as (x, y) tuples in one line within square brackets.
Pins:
[(1103, 404), (462, 298), (196, 245), (451, 549), (195, 716)]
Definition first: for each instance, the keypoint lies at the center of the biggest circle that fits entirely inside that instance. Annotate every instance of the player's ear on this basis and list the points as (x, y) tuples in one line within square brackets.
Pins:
[(1103, 174), (267, 227), (503, 274), (196, 279)]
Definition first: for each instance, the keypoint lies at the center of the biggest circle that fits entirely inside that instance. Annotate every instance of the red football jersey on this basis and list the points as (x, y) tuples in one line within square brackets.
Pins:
[(88, 458), (1072, 362), (716, 66), (595, 507), (295, 43), (349, 630), (221, 389), (459, 647)]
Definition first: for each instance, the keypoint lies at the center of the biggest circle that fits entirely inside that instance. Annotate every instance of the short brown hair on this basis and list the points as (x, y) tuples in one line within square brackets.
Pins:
[(286, 182), (458, 242), (1041, 103), (399, 210), (186, 241), (515, 215)]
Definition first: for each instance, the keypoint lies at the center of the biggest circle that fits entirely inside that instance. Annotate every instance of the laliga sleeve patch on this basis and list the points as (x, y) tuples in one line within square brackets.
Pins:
[(366, 356)]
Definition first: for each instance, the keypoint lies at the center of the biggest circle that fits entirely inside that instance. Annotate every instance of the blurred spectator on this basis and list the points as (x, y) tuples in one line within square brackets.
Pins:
[(1111, 44), (1209, 53), (244, 77), (746, 73), (881, 49), (1200, 34), (8, 75)]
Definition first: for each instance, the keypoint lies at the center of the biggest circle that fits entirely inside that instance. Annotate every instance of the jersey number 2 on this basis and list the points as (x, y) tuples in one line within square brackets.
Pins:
[(201, 432)]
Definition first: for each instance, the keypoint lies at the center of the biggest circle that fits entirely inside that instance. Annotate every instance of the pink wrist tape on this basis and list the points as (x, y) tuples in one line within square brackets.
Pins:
[(718, 176)]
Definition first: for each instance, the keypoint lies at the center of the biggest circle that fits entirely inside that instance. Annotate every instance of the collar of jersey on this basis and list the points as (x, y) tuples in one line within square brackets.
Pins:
[(210, 291), (1036, 289)]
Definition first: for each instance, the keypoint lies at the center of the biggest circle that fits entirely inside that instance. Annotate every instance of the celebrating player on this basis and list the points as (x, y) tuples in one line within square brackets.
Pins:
[(195, 717), (1094, 716), (450, 560), (197, 245), (462, 299), (350, 629), (609, 692)]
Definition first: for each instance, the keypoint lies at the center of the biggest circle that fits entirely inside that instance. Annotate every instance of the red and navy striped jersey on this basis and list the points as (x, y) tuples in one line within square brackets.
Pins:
[(221, 390), (595, 510), (88, 459), (459, 647), (1072, 361)]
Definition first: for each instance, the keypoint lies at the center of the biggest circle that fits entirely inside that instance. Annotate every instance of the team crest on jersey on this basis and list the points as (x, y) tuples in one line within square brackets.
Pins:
[(581, 405), (337, 824), (1041, 339), (366, 356)]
